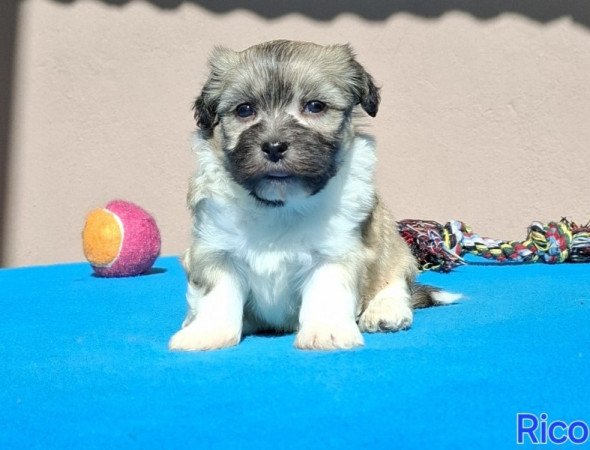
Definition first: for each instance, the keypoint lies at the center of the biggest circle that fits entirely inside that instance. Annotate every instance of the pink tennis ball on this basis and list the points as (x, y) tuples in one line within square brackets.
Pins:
[(120, 240)]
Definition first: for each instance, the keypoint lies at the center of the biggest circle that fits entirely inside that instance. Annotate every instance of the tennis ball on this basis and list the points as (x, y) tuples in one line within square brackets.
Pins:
[(120, 240)]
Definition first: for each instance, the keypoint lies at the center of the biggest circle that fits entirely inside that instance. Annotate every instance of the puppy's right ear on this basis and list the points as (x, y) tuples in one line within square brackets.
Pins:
[(221, 61), (205, 113)]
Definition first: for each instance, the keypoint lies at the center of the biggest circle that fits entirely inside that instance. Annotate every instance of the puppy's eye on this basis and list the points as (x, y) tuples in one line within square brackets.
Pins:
[(245, 110), (314, 107)]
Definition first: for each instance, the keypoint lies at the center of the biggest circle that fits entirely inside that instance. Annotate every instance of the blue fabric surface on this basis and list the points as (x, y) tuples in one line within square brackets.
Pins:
[(84, 364)]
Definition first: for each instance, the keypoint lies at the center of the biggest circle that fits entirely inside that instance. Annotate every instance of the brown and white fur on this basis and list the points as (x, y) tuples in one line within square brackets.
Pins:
[(289, 234)]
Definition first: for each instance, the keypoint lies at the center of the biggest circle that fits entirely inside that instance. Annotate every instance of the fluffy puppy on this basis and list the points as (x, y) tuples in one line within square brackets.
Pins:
[(289, 234)]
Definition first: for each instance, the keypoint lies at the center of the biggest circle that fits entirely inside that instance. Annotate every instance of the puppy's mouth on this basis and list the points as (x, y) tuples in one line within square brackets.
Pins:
[(275, 186), (278, 175)]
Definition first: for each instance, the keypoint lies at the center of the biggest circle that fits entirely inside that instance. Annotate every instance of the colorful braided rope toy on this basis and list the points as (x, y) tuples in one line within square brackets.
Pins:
[(442, 247)]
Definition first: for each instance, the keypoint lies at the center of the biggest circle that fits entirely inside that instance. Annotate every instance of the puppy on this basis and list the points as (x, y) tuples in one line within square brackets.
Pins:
[(289, 234)]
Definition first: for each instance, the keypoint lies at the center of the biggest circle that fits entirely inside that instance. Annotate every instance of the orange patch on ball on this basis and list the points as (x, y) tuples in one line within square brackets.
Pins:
[(101, 237)]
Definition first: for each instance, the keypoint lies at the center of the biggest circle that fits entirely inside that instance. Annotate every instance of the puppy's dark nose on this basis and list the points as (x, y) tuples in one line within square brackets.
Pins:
[(275, 150)]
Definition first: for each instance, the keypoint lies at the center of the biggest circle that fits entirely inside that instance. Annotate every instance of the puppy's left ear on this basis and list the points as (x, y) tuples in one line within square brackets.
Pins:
[(363, 86), (367, 91)]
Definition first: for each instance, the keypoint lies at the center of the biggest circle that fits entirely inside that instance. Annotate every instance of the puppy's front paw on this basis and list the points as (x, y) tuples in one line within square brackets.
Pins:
[(386, 314), (329, 336), (198, 337)]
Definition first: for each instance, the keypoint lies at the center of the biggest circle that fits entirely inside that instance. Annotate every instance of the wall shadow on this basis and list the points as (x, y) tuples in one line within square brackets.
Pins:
[(377, 10), (8, 26)]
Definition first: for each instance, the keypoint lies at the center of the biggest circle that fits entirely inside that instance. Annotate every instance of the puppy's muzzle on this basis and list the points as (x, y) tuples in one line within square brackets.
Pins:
[(275, 151)]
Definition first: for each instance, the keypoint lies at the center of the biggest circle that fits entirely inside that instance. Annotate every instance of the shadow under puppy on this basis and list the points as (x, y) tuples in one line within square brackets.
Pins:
[(289, 234)]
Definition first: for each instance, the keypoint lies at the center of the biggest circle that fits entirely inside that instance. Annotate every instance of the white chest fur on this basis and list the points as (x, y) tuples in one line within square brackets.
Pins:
[(274, 249)]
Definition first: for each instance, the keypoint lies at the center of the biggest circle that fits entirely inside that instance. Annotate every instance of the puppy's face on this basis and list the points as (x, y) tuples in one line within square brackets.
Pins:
[(280, 112)]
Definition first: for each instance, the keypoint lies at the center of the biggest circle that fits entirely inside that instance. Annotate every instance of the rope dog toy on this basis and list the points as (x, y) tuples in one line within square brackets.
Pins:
[(441, 247)]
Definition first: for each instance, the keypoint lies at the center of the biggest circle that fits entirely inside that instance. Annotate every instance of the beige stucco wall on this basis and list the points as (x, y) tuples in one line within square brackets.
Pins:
[(484, 120)]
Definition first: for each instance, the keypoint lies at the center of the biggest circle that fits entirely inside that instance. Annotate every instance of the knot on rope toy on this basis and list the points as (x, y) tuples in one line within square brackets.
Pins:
[(551, 242), (442, 247), (429, 243)]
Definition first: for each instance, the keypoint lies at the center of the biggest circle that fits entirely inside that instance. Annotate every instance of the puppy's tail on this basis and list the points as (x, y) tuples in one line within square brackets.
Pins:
[(424, 296)]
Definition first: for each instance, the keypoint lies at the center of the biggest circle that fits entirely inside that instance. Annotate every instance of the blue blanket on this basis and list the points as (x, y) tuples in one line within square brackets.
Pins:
[(84, 364)]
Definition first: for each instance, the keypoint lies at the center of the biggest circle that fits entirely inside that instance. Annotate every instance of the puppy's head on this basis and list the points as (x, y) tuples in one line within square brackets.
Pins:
[(281, 111)]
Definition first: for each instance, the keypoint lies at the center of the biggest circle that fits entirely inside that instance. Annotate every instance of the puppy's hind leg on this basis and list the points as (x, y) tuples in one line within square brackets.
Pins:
[(389, 310)]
